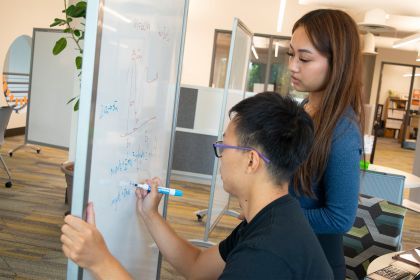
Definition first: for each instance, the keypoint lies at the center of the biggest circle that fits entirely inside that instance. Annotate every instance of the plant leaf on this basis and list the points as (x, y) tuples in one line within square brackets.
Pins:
[(78, 62), (59, 46), (57, 21), (77, 11), (77, 32), (76, 106), (71, 100), (70, 10), (68, 30)]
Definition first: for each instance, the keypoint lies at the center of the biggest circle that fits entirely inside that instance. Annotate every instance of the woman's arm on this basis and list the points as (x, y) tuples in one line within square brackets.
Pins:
[(340, 184)]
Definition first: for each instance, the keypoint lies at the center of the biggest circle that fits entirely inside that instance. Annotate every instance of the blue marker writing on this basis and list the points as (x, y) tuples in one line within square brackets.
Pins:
[(163, 190)]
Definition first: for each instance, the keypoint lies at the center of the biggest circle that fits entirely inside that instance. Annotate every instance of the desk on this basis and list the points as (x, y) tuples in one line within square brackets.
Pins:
[(385, 260), (412, 182)]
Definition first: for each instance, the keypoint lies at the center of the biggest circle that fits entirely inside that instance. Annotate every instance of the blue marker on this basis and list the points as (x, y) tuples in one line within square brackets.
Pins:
[(163, 190)]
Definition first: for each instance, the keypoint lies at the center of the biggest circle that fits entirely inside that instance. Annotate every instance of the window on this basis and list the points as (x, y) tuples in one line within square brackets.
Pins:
[(268, 64)]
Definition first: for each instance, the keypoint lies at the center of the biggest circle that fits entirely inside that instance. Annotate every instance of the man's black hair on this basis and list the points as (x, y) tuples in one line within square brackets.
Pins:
[(276, 126)]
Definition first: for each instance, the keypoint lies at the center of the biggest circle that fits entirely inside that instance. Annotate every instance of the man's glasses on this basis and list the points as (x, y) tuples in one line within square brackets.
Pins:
[(219, 147)]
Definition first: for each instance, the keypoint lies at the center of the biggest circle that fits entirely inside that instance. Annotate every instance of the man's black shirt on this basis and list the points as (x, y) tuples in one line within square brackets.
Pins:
[(278, 243)]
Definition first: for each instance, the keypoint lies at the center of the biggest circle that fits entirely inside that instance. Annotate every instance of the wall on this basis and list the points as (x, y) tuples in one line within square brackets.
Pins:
[(19, 17), (206, 16)]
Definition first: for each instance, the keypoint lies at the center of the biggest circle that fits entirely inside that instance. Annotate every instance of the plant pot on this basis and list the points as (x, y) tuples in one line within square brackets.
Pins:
[(68, 169)]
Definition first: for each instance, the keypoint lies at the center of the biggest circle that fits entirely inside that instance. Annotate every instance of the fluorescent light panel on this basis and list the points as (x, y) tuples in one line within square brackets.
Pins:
[(281, 15), (254, 51), (276, 50), (407, 40)]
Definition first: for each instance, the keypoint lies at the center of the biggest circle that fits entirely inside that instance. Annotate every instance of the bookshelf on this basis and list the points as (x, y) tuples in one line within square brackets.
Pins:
[(395, 109)]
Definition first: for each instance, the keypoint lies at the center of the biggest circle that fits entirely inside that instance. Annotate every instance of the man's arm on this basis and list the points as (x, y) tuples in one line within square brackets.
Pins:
[(188, 260), (84, 244)]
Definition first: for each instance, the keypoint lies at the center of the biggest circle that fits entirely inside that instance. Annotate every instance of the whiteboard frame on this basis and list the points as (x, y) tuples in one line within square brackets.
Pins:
[(237, 23), (174, 121), (28, 111), (88, 96)]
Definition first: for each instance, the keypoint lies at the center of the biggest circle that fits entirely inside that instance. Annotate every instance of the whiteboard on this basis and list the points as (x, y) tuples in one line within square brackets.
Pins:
[(52, 82), (130, 87), (234, 92)]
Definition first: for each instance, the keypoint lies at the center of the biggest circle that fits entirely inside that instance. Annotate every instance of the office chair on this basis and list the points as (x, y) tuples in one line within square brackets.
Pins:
[(5, 113), (376, 231), (382, 185)]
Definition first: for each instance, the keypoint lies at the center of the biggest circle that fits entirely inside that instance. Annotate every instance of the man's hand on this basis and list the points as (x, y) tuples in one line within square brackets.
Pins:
[(82, 242), (148, 202)]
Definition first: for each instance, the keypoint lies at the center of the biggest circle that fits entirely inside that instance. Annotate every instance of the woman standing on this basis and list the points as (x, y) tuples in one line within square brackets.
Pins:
[(325, 60)]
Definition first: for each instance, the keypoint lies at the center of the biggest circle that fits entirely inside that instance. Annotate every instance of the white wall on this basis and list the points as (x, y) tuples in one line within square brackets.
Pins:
[(19, 17), (206, 16)]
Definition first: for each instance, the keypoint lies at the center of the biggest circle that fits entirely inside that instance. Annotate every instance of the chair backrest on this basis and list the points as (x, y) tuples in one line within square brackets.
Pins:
[(382, 185), (376, 231), (5, 113)]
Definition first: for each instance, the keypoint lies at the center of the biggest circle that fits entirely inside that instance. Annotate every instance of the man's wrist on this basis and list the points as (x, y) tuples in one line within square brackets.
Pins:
[(100, 270)]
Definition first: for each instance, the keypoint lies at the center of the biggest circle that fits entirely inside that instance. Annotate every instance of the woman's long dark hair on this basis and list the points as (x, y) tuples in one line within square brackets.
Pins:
[(335, 35)]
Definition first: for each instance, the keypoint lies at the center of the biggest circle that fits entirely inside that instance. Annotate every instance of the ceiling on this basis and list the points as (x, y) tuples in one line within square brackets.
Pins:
[(398, 7), (402, 17)]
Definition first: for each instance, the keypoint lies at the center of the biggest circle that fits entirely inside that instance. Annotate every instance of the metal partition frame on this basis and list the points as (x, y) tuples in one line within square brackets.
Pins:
[(210, 222)]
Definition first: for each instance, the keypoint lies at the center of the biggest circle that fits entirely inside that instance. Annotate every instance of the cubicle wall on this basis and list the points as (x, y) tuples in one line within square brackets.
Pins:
[(196, 130), (197, 127)]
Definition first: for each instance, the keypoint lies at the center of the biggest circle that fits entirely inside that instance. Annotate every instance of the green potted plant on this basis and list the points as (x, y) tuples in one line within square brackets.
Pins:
[(74, 16), (72, 32)]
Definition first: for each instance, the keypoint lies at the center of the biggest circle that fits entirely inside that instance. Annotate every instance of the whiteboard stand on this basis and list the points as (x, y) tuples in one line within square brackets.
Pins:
[(33, 147), (235, 83), (202, 213), (205, 243)]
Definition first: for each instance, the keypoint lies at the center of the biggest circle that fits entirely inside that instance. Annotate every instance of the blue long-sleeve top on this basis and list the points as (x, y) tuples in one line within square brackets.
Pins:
[(334, 209)]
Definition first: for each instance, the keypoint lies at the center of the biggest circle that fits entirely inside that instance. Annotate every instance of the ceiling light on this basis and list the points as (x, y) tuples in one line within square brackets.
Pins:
[(281, 15), (369, 44), (254, 51), (410, 75), (407, 40)]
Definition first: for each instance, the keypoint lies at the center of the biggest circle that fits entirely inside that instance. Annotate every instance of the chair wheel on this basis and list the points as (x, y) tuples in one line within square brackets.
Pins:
[(10, 154), (8, 184), (38, 151), (199, 217)]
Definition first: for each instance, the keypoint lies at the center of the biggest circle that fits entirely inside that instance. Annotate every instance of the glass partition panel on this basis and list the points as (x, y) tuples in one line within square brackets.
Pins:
[(258, 66), (221, 53), (409, 135), (394, 95)]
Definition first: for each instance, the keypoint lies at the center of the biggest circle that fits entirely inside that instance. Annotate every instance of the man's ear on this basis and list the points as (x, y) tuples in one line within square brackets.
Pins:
[(254, 162)]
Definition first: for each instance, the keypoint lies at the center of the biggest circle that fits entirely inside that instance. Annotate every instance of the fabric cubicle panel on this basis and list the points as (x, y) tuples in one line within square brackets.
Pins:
[(376, 231)]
